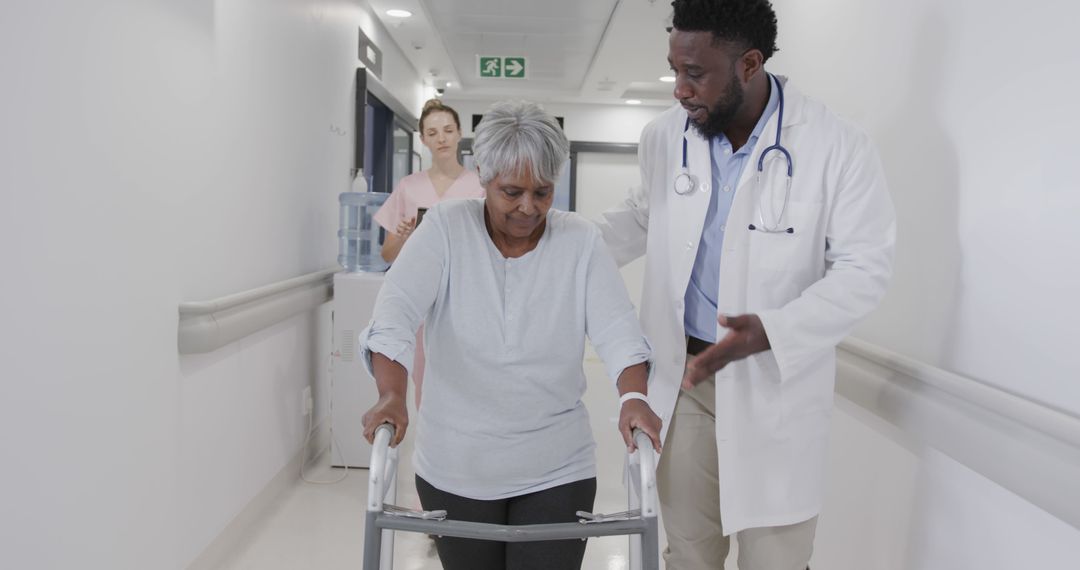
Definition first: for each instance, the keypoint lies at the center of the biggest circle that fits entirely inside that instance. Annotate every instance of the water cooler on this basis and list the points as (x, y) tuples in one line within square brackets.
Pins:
[(353, 390)]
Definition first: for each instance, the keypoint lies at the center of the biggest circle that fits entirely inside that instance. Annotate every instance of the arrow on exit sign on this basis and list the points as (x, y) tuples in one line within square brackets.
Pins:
[(514, 67)]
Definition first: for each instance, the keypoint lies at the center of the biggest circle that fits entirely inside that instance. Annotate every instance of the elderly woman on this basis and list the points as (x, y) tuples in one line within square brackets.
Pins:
[(509, 289)]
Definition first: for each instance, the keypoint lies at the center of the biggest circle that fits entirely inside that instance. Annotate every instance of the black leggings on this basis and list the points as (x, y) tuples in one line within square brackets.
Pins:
[(555, 505)]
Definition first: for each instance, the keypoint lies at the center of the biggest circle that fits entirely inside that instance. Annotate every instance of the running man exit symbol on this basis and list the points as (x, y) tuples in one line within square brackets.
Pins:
[(490, 66)]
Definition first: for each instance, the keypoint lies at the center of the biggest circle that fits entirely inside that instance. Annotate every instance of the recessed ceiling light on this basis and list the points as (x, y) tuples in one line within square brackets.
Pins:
[(633, 101), (449, 83), (668, 79), (399, 13)]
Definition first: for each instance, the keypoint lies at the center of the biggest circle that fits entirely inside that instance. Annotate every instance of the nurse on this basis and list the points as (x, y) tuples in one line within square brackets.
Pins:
[(447, 179)]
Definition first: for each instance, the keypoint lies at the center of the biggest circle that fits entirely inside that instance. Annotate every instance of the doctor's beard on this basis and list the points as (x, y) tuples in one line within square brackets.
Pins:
[(723, 112)]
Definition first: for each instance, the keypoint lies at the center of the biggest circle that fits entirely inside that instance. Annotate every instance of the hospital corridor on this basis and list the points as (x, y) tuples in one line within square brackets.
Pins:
[(539, 285)]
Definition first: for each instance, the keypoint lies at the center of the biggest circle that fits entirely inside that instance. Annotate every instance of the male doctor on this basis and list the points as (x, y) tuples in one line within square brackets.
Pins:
[(768, 232)]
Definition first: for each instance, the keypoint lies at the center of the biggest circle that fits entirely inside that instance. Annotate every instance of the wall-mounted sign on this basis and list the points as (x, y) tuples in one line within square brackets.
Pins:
[(491, 66), (370, 55)]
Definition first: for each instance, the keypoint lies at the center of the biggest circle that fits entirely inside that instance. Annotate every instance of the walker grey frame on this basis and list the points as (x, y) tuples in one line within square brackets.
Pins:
[(642, 529)]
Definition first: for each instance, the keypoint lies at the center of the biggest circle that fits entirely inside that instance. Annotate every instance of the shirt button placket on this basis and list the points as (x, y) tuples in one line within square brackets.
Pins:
[(508, 277)]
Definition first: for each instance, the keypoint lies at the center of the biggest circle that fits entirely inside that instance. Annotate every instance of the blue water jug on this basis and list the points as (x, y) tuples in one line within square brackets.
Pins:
[(360, 237)]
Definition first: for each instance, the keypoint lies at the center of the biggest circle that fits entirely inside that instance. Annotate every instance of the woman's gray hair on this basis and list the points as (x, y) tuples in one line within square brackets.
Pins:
[(518, 137)]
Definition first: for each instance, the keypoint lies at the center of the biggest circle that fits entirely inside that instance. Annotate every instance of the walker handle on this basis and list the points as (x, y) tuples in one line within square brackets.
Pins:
[(381, 470), (646, 457)]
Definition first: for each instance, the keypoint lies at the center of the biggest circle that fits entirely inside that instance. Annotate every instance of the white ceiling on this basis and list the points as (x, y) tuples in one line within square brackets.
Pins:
[(578, 51)]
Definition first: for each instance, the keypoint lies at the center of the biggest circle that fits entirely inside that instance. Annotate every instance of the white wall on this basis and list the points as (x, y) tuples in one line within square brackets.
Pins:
[(894, 502), (976, 135), (154, 152), (968, 103), (603, 180)]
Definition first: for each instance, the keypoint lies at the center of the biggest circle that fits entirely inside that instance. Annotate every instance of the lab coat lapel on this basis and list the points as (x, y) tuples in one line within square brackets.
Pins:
[(745, 205), (690, 209)]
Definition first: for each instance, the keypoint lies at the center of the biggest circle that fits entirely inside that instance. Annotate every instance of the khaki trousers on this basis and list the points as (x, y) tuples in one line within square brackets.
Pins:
[(689, 492)]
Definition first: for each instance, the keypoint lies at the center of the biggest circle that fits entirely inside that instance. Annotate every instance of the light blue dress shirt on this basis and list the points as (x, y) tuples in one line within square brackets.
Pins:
[(727, 168)]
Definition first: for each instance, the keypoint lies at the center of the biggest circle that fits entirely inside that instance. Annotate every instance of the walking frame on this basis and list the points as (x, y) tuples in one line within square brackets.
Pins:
[(639, 522)]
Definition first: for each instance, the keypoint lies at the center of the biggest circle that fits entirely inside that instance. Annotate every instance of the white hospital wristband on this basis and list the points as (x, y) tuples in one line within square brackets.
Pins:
[(633, 396)]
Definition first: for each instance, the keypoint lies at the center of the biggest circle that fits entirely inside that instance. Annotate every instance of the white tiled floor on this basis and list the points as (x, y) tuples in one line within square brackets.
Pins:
[(321, 526)]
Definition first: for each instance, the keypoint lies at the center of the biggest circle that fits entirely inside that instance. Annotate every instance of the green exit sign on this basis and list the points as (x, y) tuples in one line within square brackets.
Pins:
[(491, 66)]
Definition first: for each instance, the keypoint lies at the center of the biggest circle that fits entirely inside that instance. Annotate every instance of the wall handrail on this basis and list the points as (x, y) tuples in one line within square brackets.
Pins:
[(1045, 418), (205, 326), (1030, 448)]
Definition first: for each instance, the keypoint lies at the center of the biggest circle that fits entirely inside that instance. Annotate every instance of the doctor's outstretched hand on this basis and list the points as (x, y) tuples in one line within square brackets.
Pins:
[(745, 336)]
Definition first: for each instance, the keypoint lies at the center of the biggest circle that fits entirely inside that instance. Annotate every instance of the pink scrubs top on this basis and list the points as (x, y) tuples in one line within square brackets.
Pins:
[(413, 192), (416, 191)]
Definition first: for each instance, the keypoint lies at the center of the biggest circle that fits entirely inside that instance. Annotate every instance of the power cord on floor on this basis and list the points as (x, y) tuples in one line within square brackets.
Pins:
[(333, 439)]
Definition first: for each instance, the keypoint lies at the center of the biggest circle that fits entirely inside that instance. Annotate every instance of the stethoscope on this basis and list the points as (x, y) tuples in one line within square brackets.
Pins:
[(686, 183)]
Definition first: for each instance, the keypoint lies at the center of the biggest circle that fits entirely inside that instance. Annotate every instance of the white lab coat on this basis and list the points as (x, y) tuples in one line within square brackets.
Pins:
[(809, 288)]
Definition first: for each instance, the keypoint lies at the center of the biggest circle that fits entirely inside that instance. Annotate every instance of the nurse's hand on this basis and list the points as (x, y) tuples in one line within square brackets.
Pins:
[(390, 409), (405, 228), (638, 414), (745, 336)]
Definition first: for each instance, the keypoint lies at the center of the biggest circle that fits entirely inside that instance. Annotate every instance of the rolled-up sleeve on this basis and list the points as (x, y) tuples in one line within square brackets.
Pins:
[(408, 292), (610, 320)]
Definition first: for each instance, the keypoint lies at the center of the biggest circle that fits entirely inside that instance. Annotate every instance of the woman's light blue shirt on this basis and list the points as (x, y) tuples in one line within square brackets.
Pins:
[(501, 414)]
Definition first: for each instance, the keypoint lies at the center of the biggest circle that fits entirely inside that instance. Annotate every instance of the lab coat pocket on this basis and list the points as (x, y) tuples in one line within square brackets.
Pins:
[(785, 238), (768, 395)]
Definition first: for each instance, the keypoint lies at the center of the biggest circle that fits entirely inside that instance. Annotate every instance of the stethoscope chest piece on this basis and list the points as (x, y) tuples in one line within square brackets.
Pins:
[(685, 182)]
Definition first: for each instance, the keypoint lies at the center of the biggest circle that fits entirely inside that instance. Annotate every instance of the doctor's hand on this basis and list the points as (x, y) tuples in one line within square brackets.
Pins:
[(745, 336), (390, 409), (638, 414)]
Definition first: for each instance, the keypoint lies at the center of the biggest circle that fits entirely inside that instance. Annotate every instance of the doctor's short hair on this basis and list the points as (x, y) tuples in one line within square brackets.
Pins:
[(519, 137), (750, 23)]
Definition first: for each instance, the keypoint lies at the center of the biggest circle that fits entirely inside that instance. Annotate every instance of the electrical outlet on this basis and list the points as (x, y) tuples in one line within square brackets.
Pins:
[(306, 403)]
